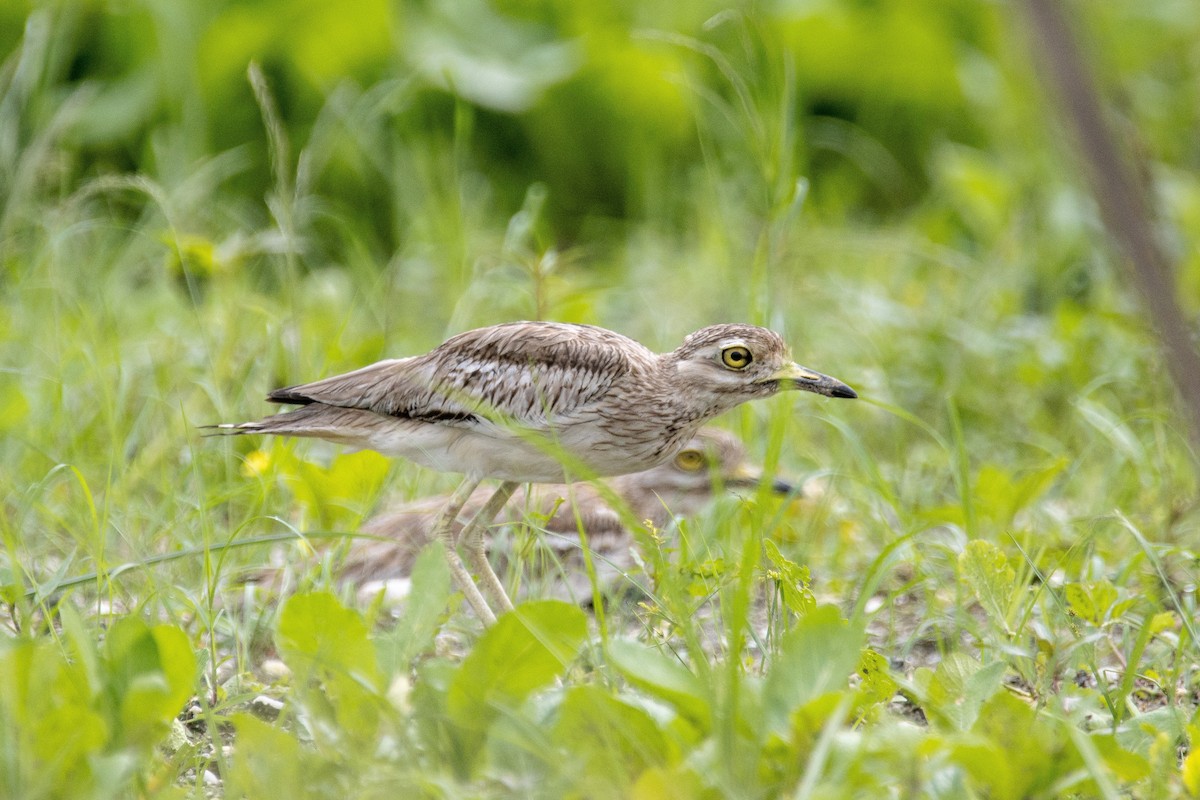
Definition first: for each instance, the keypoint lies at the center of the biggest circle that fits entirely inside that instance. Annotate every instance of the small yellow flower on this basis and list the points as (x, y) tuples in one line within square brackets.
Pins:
[(256, 464)]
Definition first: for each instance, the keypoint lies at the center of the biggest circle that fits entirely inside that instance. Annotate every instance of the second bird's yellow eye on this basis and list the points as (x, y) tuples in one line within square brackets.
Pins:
[(736, 357), (690, 460)]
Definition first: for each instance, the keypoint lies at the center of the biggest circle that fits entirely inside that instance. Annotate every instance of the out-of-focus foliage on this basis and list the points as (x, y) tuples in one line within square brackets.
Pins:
[(79, 721), (877, 105)]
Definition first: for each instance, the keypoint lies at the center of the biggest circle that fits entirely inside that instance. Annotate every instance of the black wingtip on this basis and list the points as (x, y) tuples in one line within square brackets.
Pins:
[(289, 396)]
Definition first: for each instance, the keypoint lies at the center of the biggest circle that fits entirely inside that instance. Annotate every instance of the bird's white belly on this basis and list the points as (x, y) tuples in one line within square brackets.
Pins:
[(494, 452)]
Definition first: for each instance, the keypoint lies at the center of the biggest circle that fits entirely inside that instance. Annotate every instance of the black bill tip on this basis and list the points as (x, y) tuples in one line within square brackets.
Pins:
[(842, 390), (779, 486), (795, 376)]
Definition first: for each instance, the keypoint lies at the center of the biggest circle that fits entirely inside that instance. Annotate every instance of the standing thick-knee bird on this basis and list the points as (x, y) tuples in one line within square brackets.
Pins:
[(541, 402)]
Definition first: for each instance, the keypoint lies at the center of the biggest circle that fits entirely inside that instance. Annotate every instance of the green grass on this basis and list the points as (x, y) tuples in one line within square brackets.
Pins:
[(994, 596)]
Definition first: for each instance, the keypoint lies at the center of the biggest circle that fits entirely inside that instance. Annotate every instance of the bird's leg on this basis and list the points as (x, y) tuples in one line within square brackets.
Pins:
[(472, 541), (443, 531)]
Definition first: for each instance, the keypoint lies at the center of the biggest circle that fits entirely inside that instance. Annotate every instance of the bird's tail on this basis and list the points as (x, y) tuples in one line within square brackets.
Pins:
[(316, 420)]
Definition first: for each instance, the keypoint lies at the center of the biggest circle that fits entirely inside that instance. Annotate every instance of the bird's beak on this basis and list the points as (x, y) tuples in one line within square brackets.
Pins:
[(794, 376), (748, 478)]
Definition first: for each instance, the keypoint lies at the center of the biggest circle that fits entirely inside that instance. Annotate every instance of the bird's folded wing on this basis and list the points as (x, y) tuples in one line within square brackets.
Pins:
[(502, 379)]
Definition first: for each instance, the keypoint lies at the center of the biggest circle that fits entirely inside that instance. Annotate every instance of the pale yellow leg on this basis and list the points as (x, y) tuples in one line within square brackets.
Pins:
[(472, 541), (443, 530)]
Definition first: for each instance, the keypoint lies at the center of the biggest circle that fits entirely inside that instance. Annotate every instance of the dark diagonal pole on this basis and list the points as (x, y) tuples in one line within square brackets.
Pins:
[(1120, 195)]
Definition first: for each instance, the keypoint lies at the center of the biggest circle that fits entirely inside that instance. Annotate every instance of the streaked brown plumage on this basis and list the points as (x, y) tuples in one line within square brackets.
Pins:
[(680, 487), (540, 402)]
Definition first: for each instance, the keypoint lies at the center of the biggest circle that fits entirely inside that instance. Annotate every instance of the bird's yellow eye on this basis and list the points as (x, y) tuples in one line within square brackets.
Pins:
[(736, 357), (690, 460)]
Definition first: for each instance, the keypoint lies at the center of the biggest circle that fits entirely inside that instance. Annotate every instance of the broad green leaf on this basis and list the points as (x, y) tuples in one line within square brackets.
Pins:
[(1162, 621), (959, 687), (611, 742), (985, 763), (1000, 495), (878, 685), (524, 651), (816, 657), (807, 721), (1190, 772), (317, 634), (1033, 751), (494, 62), (75, 726), (663, 677), (1139, 733), (65, 738), (1125, 765), (327, 646), (1091, 602), (269, 762), (678, 783), (152, 673), (431, 721), (1034, 484), (792, 579), (426, 605), (985, 569), (329, 494)]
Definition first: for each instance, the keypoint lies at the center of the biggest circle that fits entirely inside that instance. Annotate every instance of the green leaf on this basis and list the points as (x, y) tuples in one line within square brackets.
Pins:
[(1190, 772), (427, 601), (318, 636), (985, 763), (664, 677), (1162, 621), (524, 651), (1139, 733), (792, 580), (679, 783), (46, 737), (269, 762), (81, 723), (1000, 495), (64, 740), (1091, 602), (330, 494), (985, 569), (959, 687), (878, 685), (1125, 765), (1027, 752), (151, 675), (488, 58), (610, 743), (816, 657), (335, 663), (432, 727)]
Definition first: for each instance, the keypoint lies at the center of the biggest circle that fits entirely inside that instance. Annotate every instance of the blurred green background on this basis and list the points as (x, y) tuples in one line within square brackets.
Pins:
[(924, 110)]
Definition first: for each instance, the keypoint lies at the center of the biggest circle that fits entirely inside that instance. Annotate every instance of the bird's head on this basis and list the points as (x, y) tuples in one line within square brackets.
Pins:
[(686, 484), (714, 455), (744, 362)]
